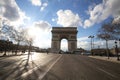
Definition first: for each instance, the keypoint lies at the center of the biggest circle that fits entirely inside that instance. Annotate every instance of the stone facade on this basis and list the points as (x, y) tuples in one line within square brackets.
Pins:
[(59, 33)]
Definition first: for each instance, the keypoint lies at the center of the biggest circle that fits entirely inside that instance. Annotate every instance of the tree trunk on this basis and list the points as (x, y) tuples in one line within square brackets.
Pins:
[(4, 53), (107, 49), (17, 48), (29, 53)]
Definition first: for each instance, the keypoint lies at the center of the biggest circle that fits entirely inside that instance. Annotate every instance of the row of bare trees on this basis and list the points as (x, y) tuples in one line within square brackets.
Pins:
[(18, 36), (109, 31)]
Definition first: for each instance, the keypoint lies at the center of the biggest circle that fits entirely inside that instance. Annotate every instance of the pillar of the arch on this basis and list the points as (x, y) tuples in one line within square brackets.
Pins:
[(72, 45), (55, 47)]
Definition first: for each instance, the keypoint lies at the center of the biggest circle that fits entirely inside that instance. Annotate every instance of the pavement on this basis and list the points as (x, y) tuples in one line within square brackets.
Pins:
[(43, 66), (78, 67), (11, 54), (111, 59)]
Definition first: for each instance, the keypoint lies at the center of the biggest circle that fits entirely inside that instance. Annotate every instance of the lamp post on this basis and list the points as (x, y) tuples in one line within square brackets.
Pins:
[(92, 43), (116, 50), (119, 44), (119, 47)]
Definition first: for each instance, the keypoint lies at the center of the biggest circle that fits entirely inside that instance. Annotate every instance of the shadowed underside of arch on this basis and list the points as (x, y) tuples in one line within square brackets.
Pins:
[(69, 33)]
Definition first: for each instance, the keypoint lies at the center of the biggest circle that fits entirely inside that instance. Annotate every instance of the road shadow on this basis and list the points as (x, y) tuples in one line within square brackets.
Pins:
[(32, 70), (12, 71), (38, 72), (7, 56)]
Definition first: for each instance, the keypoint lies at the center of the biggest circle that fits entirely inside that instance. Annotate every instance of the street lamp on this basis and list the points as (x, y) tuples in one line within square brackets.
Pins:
[(92, 43), (119, 43), (116, 50), (119, 47)]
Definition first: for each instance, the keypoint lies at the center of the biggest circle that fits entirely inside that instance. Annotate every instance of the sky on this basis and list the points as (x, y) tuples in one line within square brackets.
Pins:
[(39, 16)]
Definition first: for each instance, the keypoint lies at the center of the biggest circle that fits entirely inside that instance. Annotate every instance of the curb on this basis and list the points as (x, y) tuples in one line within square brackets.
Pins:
[(111, 59)]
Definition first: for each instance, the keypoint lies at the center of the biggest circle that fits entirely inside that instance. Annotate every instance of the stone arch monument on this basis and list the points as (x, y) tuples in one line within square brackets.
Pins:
[(59, 33)]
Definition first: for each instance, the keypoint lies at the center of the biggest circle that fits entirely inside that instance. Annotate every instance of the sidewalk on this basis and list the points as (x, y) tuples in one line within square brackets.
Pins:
[(8, 54), (112, 59), (1, 54)]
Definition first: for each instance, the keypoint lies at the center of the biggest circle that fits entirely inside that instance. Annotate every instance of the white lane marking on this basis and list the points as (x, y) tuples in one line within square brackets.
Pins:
[(41, 76), (107, 73)]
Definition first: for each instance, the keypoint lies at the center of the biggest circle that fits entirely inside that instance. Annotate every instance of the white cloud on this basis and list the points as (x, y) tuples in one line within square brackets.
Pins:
[(102, 44), (88, 23), (43, 25), (83, 38), (36, 2), (44, 5), (40, 4), (39, 31), (116, 20), (41, 34), (0, 23), (53, 19), (10, 11), (85, 43), (102, 11), (67, 18)]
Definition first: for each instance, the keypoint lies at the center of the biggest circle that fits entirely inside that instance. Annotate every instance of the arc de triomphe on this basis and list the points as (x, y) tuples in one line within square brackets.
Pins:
[(59, 33)]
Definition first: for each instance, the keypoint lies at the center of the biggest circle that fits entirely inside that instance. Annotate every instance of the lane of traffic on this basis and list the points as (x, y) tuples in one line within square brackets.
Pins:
[(15, 70), (75, 67)]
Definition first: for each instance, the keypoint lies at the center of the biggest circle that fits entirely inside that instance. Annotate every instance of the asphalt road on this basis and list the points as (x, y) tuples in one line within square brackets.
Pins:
[(57, 67)]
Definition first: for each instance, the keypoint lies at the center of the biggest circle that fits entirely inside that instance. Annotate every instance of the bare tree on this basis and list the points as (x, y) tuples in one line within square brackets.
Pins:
[(18, 36), (12, 33), (116, 30), (106, 33), (29, 42)]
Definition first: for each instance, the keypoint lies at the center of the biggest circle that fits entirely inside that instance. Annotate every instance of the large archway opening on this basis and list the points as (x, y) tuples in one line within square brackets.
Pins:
[(64, 45)]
